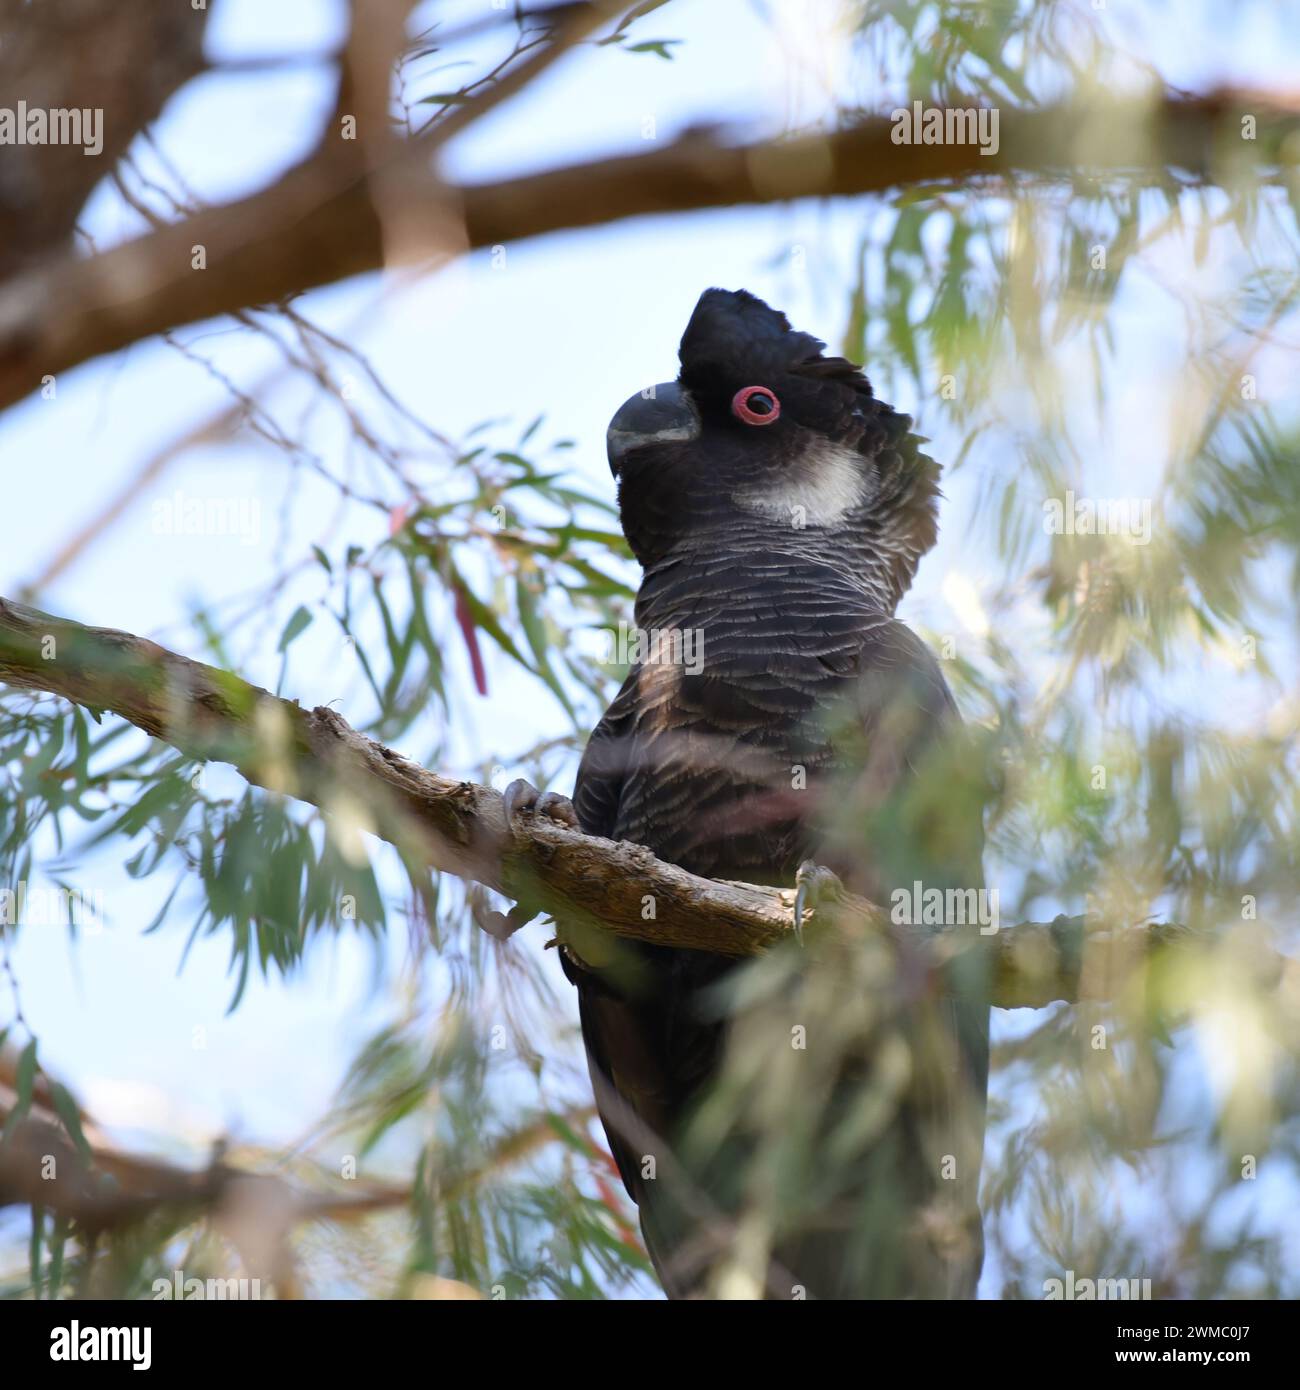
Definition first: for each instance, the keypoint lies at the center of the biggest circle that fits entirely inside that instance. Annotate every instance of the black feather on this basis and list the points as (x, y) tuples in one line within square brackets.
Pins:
[(803, 665)]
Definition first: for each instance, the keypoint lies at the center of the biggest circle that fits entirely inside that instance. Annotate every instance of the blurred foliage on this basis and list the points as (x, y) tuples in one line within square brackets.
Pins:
[(1136, 705)]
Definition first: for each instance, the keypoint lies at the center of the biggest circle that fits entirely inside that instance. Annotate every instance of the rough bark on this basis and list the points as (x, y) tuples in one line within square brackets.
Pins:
[(459, 827), (125, 61)]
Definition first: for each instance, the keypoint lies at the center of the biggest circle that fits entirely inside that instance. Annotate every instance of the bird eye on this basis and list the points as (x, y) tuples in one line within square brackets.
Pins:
[(755, 405)]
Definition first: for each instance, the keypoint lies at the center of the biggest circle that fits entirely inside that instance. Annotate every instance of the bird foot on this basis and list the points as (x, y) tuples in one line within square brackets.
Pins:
[(814, 885), (522, 797)]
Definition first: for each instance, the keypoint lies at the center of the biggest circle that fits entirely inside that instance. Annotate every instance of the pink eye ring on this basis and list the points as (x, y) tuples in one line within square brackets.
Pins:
[(755, 405)]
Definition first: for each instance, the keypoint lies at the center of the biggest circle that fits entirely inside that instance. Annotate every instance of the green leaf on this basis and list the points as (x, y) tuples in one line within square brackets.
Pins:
[(515, 461), (535, 631), (26, 1075), (163, 910), (66, 1109), (25, 1080), (579, 1143), (58, 1239), (659, 46), (81, 738), (34, 1250), (297, 624)]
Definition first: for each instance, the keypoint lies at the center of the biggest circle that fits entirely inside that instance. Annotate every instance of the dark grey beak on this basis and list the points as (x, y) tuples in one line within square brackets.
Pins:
[(660, 414)]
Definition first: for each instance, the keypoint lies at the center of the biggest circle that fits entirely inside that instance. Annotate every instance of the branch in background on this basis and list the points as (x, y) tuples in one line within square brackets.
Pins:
[(317, 224), (101, 1188), (416, 229), (460, 828), (361, 184), (125, 61), (107, 1188)]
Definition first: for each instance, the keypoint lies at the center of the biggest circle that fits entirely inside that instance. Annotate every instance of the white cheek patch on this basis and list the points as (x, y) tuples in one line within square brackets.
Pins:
[(821, 488)]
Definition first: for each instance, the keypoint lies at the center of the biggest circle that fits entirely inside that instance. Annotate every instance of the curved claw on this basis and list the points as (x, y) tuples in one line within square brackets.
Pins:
[(558, 808), (520, 795)]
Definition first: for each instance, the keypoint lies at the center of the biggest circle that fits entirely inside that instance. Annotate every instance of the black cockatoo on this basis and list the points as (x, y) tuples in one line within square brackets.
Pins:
[(778, 510)]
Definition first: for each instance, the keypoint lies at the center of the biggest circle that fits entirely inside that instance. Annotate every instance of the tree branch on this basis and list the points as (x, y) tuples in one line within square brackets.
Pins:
[(317, 224), (459, 827), (102, 1188), (124, 61)]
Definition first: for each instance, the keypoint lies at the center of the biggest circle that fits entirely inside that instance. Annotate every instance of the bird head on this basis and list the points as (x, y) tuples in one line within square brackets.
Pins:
[(765, 441)]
